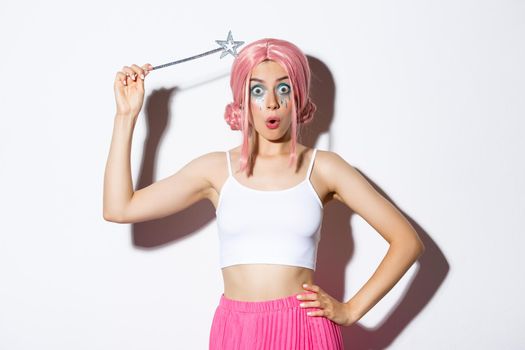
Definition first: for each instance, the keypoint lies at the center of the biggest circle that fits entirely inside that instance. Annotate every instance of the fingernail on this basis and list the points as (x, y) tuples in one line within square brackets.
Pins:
[(142, 76), (305, 285), (125, 82), (299, 296)]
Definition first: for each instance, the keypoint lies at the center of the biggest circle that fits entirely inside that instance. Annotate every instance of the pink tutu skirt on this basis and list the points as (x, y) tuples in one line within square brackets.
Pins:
[(278, 324)]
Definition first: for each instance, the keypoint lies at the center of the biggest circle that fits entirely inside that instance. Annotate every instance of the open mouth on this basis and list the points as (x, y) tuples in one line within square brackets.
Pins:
[(273, 122)]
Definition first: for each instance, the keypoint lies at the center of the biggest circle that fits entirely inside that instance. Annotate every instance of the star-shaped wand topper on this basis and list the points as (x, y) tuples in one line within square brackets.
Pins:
[(228, 46)]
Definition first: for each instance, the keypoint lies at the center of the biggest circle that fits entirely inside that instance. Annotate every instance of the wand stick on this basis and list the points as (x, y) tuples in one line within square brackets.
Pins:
[(228, 46)]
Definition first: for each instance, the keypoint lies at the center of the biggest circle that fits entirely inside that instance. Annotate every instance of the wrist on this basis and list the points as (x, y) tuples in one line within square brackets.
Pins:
[(352, 313), (122, 118), (129, 115)]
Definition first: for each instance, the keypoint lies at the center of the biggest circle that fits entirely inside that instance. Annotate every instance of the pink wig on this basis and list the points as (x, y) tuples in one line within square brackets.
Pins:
[(237, 113)]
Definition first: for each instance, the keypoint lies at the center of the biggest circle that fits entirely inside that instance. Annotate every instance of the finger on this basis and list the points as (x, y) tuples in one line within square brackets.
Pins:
[(312, 287), (315, 313), (139, 71), (122, 77), (308, 296), (147, 68), (310, 304), (129, 72)]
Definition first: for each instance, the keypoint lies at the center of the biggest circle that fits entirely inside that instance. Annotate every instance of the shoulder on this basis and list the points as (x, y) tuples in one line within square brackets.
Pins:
[(329, 160), (207, 159), (211, 161), (330, 164), (206, 165), (214, 156), (208, 168)]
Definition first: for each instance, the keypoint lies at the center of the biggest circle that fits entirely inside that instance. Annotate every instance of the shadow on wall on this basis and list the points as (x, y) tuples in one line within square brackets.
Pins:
[(336, 246), (155, 233)]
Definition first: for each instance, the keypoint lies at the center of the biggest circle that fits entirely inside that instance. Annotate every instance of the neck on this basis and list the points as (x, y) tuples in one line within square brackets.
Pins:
[(271, 148)]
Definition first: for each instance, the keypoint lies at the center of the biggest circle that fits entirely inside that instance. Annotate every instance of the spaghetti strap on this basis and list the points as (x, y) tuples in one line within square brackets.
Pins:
[(311, 164), (229, 162)]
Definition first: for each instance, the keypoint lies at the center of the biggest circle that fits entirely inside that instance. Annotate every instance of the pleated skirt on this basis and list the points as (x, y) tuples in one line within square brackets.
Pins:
[(278, 324)]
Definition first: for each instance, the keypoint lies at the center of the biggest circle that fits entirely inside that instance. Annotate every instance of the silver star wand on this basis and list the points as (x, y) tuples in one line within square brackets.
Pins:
[(228, 46)]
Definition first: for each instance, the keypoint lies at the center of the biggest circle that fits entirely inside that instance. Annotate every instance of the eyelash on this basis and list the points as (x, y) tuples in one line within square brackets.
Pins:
[(280, 85)]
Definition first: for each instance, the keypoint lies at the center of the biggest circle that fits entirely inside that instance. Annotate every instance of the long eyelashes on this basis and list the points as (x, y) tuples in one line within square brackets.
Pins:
[(258, 92)]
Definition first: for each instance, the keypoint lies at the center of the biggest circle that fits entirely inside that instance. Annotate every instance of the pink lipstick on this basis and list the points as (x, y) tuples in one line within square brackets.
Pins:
[(273, 122)]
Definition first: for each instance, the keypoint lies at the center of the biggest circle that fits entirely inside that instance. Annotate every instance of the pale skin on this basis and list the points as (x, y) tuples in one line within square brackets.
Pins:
[(203, 177)]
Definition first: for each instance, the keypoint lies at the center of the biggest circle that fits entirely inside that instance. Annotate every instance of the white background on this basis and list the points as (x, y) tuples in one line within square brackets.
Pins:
[(425, 98)]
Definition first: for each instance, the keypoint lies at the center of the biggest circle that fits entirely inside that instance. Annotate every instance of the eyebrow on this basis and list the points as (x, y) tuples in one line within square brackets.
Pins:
[(262, 81)]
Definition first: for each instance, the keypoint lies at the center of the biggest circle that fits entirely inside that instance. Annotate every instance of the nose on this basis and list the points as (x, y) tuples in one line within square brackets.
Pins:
[(271, 102)]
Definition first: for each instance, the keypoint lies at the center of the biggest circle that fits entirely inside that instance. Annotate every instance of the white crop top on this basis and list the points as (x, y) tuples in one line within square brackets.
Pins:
[(269, 226)]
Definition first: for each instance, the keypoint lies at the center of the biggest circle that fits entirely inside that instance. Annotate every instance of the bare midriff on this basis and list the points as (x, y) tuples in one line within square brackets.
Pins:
[(261, 282)]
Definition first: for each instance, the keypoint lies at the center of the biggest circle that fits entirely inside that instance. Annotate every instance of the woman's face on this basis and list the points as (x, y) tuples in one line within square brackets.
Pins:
[(270, 100)]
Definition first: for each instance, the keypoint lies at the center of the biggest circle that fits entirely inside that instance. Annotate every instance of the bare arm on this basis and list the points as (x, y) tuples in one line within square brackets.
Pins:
[(118, 185), (121, 203), (169, 195), (352, 189)]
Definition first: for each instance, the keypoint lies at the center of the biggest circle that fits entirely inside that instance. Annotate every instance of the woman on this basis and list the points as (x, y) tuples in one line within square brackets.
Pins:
[(269, 195)]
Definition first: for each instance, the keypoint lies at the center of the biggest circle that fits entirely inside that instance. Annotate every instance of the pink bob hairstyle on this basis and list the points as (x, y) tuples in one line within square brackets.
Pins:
[(293, 60)]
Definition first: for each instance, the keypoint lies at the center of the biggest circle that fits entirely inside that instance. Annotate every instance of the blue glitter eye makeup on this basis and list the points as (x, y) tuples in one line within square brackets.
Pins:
[(283, 89), (258, 93), (257, 90)]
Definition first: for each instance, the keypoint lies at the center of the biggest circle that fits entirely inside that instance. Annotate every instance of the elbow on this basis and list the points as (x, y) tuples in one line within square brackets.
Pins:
[(110, 217), (412, 247), (419, 246), (415, 250), (416, 245), (420, 250)]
